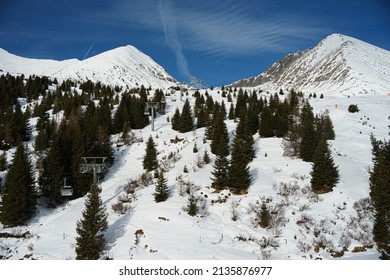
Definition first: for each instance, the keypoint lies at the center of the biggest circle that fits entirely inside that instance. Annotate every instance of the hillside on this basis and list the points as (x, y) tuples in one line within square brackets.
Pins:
[(168, 232), (339, 64), (124, 66)]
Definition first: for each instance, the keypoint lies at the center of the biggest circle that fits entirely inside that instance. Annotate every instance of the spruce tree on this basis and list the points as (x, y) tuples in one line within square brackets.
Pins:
[(176, 120), (220, 174), (219, 135), (231, 115), (161, 192), (266, 126), (309, 137), (380, 195), (192, 207), (324, 173), (239, 176), (150, 159), (18, 194), (53, 172), (90, 241), (327, 128), (244, 135), (186, 118)]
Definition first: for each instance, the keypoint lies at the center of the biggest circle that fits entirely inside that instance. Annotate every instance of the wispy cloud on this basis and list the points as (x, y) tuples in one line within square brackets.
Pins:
[(232, 31), (168, 19), (213, 27)]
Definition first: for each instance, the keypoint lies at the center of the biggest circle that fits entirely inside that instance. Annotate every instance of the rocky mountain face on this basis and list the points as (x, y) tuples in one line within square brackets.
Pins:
[(124, 66), (337, 65)]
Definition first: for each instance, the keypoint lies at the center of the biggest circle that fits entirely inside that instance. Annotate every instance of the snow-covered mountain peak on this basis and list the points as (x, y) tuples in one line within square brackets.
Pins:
[(338, 64), (124, 66)]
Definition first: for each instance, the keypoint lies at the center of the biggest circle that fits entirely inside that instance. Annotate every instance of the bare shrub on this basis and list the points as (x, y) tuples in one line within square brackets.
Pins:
[(120, 207), (278, 219), (322, 242), (183, 185), (309, 194), (304, 207), (303, 246), (131, 187), (145, 179), (306, 221), (233, 206), (124, 198), (287, 189), (202, 206), (199, 161), (268, 242)]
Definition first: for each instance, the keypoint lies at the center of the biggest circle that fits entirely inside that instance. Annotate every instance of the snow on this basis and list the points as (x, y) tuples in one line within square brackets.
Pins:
[(124, 66), (170, 233), (305, 219), (339, 65)]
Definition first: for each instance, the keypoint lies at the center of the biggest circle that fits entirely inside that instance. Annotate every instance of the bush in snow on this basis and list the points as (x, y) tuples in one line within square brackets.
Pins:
[(353, 108), (120, 207)]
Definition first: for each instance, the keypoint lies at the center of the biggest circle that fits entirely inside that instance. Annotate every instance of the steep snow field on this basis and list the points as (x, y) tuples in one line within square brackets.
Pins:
[(308, 227)]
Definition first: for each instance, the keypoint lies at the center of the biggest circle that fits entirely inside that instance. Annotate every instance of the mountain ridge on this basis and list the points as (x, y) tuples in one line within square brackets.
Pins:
[(124, 66), (337, 64)]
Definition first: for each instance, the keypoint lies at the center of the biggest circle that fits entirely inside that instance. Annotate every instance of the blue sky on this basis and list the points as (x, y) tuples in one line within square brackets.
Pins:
[(216, 41)]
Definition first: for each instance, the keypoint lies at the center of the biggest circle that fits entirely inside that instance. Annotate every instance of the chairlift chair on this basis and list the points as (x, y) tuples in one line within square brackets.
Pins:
[(66, 191)]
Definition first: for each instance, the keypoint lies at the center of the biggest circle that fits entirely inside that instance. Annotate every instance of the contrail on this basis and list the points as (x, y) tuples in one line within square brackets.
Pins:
[(170, 32), (90, 48)]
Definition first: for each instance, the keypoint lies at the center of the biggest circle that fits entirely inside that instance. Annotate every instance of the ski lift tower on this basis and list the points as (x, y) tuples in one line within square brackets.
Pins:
[(94, 165), (154, 106)]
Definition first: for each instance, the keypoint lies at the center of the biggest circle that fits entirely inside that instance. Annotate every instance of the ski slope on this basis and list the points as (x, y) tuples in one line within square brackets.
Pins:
[(168, 232)]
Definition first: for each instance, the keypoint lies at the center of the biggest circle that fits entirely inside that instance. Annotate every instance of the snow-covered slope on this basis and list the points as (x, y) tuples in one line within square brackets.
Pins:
[(123, 66), (309, 226), (338, 64)]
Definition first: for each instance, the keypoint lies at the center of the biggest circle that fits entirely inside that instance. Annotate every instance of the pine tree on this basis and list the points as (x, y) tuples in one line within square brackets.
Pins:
[(192, 207), (239, 176), (176, 120), (327, 128), (90, 241), (266, 127), (161, 192), (309, 137), (150, 159), (220, 174), (231, 115), (186, 118), (324, 173), (18, 194), (53, 171), (244, 135), (219, 135), (380, 195)]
